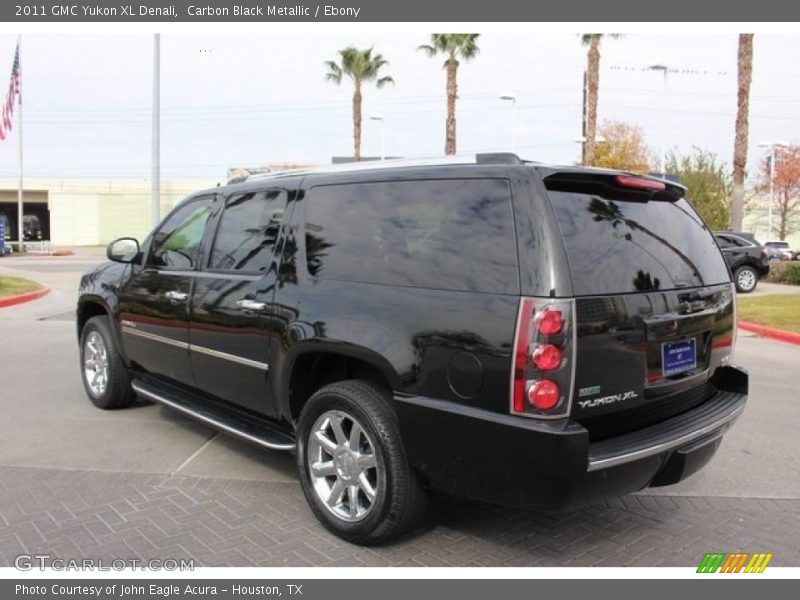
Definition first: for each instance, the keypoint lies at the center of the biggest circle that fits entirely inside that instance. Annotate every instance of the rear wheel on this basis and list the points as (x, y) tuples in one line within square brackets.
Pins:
[(352, 465), (745, 279), (104, 375)]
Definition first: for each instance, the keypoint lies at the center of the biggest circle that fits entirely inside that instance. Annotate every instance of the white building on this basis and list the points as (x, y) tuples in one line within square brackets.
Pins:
[(89, 212)]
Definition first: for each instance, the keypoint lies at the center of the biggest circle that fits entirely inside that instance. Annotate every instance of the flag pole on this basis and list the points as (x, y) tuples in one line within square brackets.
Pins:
[(155, 177), (20, 208)]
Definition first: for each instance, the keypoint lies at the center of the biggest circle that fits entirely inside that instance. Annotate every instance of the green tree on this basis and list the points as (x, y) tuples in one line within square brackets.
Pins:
[(453, 46), (361, 67), (592, 83), (708, 183)]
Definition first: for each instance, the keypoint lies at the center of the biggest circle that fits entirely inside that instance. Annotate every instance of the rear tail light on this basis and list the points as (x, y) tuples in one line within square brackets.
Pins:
[(544, 361), (550, 321), (544, 394), (547, 357)]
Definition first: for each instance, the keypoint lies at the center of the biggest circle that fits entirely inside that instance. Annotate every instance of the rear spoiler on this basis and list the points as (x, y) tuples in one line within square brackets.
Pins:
[(615, 186)]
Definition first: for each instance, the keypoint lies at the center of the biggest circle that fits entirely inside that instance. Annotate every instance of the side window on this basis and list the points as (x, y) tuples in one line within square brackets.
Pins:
[(741, 243), (723, 241), (177, 241), (442, 234), (248, 231)]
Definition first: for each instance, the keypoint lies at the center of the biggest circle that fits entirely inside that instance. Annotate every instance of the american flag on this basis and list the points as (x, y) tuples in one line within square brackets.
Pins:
[(14, 90)]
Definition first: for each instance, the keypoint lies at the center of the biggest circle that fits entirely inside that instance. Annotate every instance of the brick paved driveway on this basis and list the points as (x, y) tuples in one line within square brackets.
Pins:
[(145, 483), (218, 522)]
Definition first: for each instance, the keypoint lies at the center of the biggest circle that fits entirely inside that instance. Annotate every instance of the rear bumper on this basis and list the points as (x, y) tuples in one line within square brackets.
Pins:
[(525, 463)]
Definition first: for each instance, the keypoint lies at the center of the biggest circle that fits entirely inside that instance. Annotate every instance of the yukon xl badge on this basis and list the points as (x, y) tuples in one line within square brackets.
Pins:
[(612, 399)]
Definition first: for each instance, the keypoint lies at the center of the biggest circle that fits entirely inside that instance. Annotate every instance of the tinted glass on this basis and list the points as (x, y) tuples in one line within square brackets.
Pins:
[(247, 232), (739, 242), (723, 241), (445, 234), (176, 244), (616, 247)]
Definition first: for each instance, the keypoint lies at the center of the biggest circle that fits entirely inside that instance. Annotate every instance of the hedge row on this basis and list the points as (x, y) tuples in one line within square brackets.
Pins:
[(785, 272)]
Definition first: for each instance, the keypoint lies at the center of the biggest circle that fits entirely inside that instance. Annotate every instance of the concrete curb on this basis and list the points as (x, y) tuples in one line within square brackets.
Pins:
[(771, 332), (26, 297)]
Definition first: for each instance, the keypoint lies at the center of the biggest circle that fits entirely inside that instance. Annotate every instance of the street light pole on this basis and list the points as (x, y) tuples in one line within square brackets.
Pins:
[(510, 97), (664, 69), (382, 120), (773, 155)]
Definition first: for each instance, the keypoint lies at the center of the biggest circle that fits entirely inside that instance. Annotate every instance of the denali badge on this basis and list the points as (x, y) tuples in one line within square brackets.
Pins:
[(621, 397)]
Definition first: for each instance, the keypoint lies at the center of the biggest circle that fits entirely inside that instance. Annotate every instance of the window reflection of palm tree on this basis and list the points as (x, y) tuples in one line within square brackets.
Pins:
[(610, 212), (315, 252)]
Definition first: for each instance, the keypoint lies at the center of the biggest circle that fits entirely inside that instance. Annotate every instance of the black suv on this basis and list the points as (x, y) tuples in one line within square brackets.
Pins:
[(504, 331), (747, 259)]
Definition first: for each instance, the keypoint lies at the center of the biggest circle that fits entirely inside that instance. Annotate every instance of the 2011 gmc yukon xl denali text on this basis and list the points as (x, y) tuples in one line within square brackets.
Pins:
[(491, 328)]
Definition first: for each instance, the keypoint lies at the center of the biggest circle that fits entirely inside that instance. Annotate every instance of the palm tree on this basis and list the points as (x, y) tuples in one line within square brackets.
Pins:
[(745, 66), (453, 46), (361, 66), (592, 86)]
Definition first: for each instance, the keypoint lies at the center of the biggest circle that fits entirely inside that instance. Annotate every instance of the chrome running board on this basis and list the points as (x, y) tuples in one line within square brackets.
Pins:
[(230, 421)]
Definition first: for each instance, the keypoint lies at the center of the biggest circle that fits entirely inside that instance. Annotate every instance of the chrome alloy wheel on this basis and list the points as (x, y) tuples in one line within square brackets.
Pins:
[(95, 364), (342, 465), (746, 279)]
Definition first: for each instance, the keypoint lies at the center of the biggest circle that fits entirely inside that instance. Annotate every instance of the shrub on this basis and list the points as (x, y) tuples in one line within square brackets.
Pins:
[(785, 272)]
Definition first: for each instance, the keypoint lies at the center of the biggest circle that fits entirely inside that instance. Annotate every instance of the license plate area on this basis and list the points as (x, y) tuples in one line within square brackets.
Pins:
[(678, 357)]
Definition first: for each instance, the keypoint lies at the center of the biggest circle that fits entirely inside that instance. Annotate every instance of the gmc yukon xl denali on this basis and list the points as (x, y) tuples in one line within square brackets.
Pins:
[(491, 328)]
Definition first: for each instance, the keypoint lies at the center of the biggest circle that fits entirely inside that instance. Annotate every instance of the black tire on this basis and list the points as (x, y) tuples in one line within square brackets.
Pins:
[(117, 391), (400, 498), (745, 279)]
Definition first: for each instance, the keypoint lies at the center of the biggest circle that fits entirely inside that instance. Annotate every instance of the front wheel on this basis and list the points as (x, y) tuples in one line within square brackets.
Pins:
[(104, 375), (353, 468), (745, 279)]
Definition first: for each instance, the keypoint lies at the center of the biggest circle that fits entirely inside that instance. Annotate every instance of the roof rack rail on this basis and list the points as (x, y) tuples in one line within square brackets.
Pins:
[(498, 158)]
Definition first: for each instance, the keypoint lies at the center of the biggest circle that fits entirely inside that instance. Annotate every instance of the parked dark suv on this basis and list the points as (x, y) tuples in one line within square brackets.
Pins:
[(747, 259), (504, 331)]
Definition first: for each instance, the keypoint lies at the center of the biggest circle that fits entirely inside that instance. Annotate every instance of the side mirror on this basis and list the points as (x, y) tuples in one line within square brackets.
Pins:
[(124, 250)]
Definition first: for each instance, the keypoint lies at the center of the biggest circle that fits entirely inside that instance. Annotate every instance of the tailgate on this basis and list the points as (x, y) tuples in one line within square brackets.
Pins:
[(654, 303)]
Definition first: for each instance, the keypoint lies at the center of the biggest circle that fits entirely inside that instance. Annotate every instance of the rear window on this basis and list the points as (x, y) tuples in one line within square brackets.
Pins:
[(628, 246), (443, 234)]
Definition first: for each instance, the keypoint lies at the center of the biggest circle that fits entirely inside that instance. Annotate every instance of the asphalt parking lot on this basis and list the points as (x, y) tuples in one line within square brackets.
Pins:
[(146, 483)]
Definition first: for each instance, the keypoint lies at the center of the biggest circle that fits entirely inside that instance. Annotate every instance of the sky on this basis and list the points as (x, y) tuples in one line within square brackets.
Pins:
[(248, 100)]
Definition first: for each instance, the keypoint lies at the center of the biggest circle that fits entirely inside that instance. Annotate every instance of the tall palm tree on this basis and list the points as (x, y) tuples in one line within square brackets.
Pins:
[(453, 46), (745, 67), (592, 86), (361, 66)]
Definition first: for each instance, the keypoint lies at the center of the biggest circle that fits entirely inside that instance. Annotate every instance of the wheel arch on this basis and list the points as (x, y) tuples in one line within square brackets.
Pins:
[(91, 305), (313, 365)]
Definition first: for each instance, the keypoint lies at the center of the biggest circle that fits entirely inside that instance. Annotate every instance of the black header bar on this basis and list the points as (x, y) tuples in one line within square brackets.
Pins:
[(172, 11)]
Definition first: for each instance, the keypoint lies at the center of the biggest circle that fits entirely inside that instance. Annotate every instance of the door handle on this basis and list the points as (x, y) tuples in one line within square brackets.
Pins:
[(253, 305), (176, 297)]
